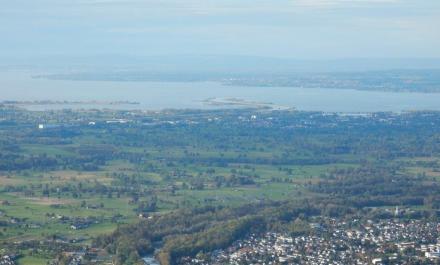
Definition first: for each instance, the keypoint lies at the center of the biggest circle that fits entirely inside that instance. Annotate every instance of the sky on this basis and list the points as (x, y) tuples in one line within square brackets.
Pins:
[(298, 29)]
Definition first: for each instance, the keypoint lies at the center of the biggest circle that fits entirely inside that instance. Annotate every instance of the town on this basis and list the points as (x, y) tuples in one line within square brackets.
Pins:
[(337, 242)]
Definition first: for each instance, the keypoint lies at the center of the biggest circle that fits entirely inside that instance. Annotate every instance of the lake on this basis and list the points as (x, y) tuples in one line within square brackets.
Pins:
[(15, 85)]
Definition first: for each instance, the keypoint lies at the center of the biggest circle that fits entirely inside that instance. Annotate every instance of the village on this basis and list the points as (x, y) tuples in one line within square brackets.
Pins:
[(337, 242)]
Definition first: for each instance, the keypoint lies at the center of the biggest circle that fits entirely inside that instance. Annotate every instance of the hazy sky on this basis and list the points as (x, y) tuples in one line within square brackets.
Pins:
[(303, 29)]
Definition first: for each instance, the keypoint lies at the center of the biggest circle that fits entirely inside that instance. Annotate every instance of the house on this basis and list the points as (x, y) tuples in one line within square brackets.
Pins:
[(376, 261), (432, 255)]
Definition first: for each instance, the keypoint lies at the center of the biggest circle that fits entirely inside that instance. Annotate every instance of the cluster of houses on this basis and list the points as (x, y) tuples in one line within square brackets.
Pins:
[(82, 223), (76, 223), (7, 260), (337, 242), (88, 256)]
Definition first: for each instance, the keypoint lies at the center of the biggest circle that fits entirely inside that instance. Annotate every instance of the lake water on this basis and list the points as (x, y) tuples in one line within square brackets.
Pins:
[(160, 95)]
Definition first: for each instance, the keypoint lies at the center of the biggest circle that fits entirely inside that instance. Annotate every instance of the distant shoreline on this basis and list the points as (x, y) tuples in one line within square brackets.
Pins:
[(238, 102), (413, 81), (66, 102)]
